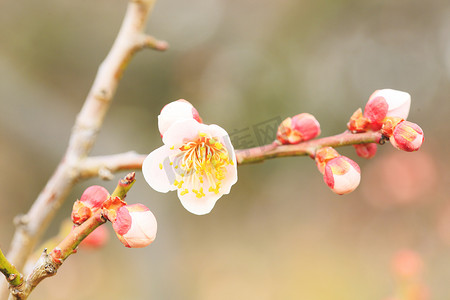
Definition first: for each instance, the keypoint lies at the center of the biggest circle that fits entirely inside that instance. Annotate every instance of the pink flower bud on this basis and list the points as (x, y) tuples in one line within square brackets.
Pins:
[(176, 111), (96, 238), (323, 156), (91, 201), (135, 226), (375, 111), (398, 102), (299, 128), (366, 150), (342, 175), (94, 196), (407, 136)]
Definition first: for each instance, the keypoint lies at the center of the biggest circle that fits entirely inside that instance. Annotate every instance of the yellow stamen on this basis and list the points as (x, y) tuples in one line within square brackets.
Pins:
[(203, 158)]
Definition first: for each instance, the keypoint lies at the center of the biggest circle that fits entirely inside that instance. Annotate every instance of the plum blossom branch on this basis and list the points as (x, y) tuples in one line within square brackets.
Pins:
[(130, 39), (259, 154), (49, 263), (93, 166), (105, 166)]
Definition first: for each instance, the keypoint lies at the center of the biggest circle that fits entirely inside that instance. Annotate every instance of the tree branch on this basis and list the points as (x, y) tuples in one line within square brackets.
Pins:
[(129, 40), (259, 154), (49, 263), (105, 166)]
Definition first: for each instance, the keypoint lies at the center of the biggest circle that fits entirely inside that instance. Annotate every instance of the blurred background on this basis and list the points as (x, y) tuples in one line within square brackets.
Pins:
[(281, 233)]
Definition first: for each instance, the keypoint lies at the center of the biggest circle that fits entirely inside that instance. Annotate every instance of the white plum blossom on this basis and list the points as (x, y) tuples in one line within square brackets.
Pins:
[(197, 160)]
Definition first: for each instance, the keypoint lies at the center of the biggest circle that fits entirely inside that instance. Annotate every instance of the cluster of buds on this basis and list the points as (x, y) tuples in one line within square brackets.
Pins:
[(340, 173), (134, 224), (387, 110)]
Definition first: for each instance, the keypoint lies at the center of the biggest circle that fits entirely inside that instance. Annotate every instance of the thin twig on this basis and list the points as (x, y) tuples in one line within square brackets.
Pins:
[(259, 154), (105, 166), (11, 273)]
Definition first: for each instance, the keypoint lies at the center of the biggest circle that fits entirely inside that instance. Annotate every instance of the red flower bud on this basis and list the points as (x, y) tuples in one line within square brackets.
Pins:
[(375, 111), (94, 196), (407, 136), (342, 175), (135, 226), (91, 201), (366, 150), (299, 128)]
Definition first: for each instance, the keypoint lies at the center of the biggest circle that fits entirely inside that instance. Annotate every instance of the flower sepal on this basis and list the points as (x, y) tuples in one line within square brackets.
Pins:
[(323, 156), (111, 206)]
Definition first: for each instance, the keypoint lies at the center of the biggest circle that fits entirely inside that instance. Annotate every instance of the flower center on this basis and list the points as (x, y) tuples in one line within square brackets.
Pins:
[(200, 160)]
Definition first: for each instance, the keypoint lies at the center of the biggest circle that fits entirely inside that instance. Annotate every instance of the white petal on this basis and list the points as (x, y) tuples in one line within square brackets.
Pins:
[(156, 169), (217, 131), (399, 102), (143, 229), (183, 131), (173, 112), (346, 183), (198, 206), (230, 179)]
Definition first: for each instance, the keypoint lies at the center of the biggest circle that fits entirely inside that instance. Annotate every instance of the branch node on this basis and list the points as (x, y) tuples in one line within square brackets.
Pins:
[(383, 140), (103, 96), (148, 41), (11, 277), (105, 173), (21, 220), (50, 269)]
